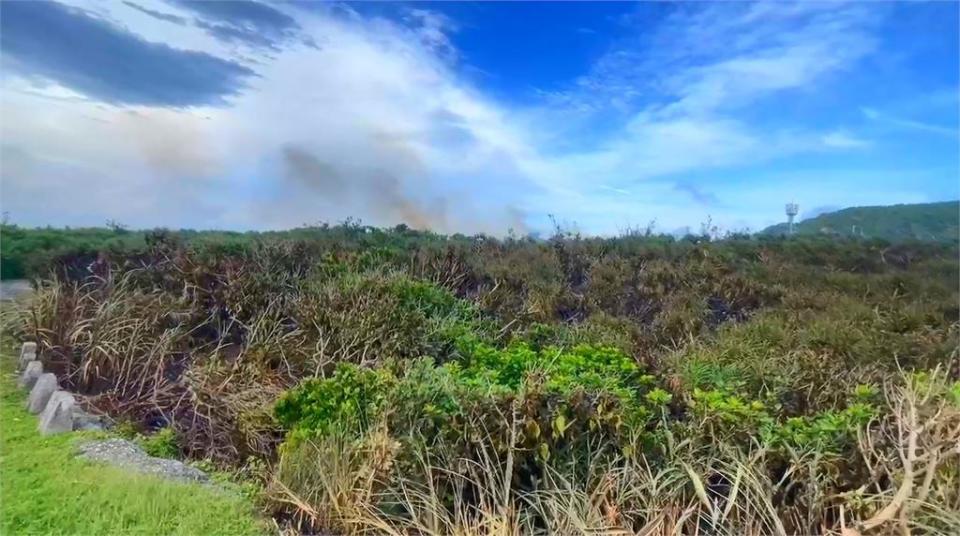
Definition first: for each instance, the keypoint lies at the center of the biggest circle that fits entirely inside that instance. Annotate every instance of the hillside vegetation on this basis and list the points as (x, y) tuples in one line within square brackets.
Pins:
[(939, 222), (26, 252), (396, 382)]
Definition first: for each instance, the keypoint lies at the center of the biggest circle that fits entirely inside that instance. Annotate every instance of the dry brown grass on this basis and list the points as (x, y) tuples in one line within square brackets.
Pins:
[(207, 344)]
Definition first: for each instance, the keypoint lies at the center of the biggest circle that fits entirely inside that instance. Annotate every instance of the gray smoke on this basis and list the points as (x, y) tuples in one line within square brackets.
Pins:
[(379, 192)]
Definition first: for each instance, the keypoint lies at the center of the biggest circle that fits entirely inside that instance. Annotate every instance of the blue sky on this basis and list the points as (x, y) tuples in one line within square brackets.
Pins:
[(473, 117)]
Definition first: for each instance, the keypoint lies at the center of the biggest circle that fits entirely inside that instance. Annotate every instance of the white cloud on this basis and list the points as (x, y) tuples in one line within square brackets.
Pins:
[(706, 57), (843, 140), (377, 102), (681, 88), (377, 124), (909, 124), (433, 29)]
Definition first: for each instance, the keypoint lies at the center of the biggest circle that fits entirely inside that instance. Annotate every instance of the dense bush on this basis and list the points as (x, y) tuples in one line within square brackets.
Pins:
[(405, 382), (588, 388)]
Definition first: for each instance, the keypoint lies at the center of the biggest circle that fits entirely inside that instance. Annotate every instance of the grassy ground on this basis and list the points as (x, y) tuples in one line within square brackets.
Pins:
[(44, 489)]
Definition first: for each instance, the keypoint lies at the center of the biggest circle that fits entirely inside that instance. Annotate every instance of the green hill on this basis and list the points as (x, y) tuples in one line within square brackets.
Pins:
[(938, 222)]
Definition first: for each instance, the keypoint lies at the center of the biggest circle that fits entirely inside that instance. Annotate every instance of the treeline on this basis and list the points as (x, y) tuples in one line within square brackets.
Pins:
[(29, 252)]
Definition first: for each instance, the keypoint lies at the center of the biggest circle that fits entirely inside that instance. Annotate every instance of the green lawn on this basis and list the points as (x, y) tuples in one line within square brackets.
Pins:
[(44, 489)]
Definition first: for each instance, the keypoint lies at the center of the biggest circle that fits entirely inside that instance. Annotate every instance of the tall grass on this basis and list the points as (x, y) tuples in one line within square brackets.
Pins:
[(572, 386), (911, 455)]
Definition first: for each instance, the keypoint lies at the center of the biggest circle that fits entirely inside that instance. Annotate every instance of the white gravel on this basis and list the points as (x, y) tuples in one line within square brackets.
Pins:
[(129, 455)]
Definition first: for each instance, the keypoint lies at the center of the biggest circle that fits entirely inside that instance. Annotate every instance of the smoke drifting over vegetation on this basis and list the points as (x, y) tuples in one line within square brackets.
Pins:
[(384, 195), (379, 190)]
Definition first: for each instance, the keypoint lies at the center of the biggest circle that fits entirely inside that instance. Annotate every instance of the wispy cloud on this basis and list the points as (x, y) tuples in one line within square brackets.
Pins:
[(614, 190), (245, 22), (910, 124), (685, 83), (159, 15), (433, 29), (844, 140), (701, 58)]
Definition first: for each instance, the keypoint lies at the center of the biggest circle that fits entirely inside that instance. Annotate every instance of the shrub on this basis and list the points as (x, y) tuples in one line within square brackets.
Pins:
[(373, 317), (563, 397), (350, 400), (403, 358), (162, 443)]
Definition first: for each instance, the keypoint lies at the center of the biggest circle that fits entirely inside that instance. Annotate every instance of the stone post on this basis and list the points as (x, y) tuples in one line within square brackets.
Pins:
[(57, 417), (28, 353), (30, 374), (45, 386)]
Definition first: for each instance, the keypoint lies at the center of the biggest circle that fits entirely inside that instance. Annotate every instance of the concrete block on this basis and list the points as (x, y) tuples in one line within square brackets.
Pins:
[(30, 374), (28, 353), (57, 417), (45, 386)]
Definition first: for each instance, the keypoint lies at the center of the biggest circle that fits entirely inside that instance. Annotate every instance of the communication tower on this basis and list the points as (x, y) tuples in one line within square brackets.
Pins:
[(792, 209)]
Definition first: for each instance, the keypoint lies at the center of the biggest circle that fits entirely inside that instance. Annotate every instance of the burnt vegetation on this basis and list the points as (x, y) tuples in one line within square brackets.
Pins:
[(401, 382)]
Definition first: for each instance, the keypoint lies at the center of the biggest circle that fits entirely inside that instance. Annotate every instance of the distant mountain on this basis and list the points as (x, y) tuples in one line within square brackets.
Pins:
[(938, 222)]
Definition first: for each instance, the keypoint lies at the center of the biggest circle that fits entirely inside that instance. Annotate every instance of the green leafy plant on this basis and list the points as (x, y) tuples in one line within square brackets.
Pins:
[(349, 400), (162, 443)]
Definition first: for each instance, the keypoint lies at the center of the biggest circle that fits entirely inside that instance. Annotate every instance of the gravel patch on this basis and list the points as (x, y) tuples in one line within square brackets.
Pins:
[(11, 289), (129, 455)]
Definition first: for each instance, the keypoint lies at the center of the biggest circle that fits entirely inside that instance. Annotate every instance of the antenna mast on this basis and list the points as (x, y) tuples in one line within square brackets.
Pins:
[(791, 209)]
